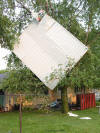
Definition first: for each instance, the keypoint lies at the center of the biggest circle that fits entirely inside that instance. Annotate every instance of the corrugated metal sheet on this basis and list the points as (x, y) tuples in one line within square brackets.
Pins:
[(44, 46)]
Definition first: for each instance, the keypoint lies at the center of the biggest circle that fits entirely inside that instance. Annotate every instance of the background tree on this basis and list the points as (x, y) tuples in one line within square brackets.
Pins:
[(7, 32), (22, 80)]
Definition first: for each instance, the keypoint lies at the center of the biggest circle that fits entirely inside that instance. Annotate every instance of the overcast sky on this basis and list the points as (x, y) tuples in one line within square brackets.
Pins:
[(3, 53)]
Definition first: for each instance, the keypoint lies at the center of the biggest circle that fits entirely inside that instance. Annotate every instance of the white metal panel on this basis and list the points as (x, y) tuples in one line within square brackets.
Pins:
[(69, 44), (44, 46)]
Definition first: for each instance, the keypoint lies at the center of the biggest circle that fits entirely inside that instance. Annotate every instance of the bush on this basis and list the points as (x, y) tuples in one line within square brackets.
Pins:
[(98, 103)]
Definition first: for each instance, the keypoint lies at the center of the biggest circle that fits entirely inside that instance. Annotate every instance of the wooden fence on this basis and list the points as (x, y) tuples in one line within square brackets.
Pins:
[(86, 101)]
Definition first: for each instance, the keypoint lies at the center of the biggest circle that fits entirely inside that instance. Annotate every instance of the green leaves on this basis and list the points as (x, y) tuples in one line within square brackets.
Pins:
[(22, 80), (8, 34)]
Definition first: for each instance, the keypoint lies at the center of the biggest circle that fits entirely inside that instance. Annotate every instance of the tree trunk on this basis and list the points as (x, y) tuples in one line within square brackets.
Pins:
[(64, 99), (52, 95)]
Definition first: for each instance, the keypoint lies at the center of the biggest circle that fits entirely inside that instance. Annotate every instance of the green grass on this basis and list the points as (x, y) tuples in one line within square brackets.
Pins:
[(56, 122)]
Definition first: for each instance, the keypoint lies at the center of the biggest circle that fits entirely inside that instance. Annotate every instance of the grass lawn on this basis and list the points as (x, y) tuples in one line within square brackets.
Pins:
[(36, 122)]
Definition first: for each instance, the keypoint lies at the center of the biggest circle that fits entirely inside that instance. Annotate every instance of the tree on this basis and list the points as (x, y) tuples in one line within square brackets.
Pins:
[(84, 75), (80, 17), (22, 80), (7, 32)]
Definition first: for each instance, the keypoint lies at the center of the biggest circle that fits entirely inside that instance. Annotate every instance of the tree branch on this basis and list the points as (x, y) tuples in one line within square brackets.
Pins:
[(24, 7), (79, 5), (89, 26)]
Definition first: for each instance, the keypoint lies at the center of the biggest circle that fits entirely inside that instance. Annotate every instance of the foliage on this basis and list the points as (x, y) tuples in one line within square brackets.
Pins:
[(3, 71), (7, 32), (97, 103), (84, 73), (80, 17), (22, 80)]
